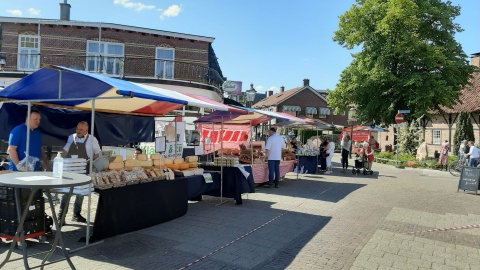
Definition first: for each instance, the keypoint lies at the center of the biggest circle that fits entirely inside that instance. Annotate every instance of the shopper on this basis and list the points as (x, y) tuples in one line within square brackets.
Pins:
[(345, 143), (274, 155)]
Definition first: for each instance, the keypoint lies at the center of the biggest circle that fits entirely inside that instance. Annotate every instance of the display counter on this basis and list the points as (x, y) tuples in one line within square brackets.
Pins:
[(134, 207), (260, 170), (234, 182)]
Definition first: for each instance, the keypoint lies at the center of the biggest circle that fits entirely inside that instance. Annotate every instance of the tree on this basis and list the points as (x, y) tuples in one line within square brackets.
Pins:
[(463, 130), (409, 137), (409, 58)]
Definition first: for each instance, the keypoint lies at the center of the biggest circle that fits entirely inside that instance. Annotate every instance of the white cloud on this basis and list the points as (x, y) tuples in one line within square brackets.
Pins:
[(272, 88), (15, 12), (138, 6), (259, 87), (33, 11), (171, 11)]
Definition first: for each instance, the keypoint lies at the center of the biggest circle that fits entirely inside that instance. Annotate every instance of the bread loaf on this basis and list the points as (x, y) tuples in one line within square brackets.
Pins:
[(191, 159), (142, 157), (178, 161)]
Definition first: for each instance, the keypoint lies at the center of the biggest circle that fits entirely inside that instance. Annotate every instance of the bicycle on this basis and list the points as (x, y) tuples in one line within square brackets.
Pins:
[(455, 167)]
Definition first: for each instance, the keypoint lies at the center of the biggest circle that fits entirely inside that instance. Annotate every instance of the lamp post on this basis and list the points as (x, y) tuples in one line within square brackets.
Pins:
[(351, 121), (250, 96)]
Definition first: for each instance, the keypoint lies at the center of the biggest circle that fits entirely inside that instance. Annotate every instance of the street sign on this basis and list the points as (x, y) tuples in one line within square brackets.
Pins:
[(398, 118), (403, 111)]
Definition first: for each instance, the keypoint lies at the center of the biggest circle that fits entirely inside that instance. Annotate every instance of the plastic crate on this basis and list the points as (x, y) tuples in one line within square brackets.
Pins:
[(9, 226), (8, 193), (8, 209)]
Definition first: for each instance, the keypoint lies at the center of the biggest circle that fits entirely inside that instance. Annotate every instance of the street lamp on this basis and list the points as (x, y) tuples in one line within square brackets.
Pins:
[(250, 96), (352, 120)]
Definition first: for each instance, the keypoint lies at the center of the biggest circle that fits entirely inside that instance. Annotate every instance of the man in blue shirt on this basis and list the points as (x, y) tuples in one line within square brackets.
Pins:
[(17, 142)]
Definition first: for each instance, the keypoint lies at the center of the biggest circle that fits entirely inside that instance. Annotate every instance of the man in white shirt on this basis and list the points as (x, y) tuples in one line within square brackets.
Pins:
[(85, 146), (473, 154), (274, 155)]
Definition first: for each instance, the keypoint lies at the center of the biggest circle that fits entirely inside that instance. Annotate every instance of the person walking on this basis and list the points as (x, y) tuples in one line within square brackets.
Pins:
[(329, 154), (274, 155), (17, 144), (443, 159), (345, 144), (473, 155), (84, 146)]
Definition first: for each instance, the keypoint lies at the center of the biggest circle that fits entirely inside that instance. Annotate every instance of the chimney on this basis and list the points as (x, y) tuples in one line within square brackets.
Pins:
[(65, 11), (306, 82), (270, 93), (475, 60), (282, 89)]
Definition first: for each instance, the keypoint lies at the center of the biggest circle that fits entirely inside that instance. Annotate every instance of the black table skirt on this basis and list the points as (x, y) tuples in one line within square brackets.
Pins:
[(309, 163), (234, 182), (197, 186), (135, 207)]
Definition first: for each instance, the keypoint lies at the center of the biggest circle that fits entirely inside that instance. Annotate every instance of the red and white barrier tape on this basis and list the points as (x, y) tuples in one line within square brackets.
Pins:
[(448, 229)]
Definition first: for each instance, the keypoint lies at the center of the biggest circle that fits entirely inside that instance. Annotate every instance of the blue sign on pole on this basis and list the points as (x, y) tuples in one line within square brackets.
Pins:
[(403, 111)]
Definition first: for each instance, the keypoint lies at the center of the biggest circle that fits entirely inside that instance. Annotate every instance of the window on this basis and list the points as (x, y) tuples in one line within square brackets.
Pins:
[(436, 137), (105, 57), (28, 52), (164, 66)]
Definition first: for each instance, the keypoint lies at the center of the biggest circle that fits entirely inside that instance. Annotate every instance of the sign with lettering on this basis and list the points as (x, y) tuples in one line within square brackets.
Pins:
[(233, 88), (469, 179)]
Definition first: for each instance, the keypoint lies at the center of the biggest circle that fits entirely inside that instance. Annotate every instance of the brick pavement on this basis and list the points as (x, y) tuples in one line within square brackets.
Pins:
[(339, 221)]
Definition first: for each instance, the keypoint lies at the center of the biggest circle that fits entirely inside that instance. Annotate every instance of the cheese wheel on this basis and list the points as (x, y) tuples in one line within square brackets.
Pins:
[(128, 157), (193, 164), (158, 162), (142, 157), (118, 158), (156, 156), (191, 159), (168, 160), (116, 165), (133, 163), (183, 166), (173, 166), (178, 161), (146, 163)]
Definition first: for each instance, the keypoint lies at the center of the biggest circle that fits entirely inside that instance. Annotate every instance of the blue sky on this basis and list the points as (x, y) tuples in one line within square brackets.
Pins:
[(269, 43)]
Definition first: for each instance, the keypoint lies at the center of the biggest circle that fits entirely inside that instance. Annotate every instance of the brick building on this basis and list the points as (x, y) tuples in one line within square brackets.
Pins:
[(177, 61), (302, 101)]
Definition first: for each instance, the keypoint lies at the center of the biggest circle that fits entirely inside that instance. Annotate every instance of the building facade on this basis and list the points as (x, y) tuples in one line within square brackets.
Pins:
[(176, 61)]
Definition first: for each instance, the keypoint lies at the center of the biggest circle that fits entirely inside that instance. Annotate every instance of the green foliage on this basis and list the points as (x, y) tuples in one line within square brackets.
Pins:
[(388, 155), (408, 58), (409, 137), (463, 130)]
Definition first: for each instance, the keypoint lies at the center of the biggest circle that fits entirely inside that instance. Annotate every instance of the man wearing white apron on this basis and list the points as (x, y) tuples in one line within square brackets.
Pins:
[(79, 144)]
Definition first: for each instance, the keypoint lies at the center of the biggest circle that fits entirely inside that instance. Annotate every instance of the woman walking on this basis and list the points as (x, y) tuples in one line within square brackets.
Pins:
[(345, 143), (443, 159)]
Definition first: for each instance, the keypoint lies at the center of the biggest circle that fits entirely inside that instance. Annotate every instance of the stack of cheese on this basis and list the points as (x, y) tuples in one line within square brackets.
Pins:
[(141, 161), (176, 164), (117, 163), (158, 160), (192, 161)]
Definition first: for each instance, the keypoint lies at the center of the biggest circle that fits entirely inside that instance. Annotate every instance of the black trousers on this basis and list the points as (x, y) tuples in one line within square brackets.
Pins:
[(345, 158)]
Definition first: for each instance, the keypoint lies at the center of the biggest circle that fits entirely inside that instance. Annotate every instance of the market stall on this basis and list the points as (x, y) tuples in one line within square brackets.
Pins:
[(63, 87)]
